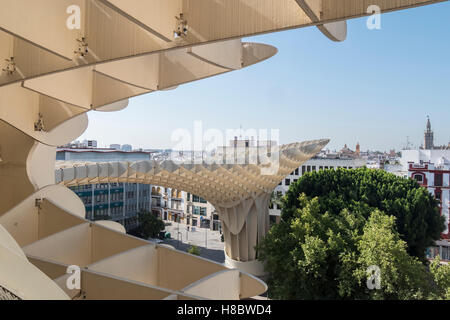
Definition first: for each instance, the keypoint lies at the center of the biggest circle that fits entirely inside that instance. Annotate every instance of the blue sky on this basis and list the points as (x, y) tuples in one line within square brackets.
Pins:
[(375, 88)]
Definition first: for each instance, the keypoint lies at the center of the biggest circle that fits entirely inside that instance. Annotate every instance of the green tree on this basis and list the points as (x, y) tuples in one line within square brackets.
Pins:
[(149, 225), (336, 224), (360, 191), (402, 276), (322, 256), (441, 277)]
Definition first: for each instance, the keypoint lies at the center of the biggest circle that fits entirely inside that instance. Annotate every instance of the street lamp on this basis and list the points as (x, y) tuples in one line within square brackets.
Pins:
[(179, 234)]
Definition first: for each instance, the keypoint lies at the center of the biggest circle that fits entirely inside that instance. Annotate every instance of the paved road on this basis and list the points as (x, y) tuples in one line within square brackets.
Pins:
[(207, 241)]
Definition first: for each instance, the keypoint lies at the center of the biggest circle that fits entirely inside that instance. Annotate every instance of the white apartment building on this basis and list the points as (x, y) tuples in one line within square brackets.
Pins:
[(199, 213), (431, 169)]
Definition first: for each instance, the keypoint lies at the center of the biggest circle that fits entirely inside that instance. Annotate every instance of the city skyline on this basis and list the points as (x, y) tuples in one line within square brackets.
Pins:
[(390, 99), (408, 145)]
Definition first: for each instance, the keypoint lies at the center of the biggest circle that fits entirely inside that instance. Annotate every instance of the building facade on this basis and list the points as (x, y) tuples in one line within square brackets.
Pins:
[(435, 177), (119, 202), (200, 213)]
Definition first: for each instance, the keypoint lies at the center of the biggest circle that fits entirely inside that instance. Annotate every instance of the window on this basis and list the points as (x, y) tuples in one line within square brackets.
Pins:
[(273, 220), (308, 168), (196, 210), (287, 182), (314, 168), (303, 170), (320, 167), (438, 179), (438, 195), (296, 172), (418, 178)]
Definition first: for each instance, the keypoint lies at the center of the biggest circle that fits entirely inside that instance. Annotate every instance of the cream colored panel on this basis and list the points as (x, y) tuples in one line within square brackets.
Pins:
[(6, 53), (180, 67), (67, 131), (41, 165), (194, 268), (106, 242), (25, 104), (73, 86), (110, 35), (113, 107), (45, 23), (53, 219), (31, 61), (348, 9), (72, 246), (22, 221), (115, 226), (251, 286), (62, 283), (28, 106), (140, 264), (313, 8), (15, 185), (24, 280), (158, 16), (256, 52), (55, 112), (52, 269), (97, 286), (108, 90), (140, 71), (227, 280), (7, 241), (6, 48), (221, 19), (227, 54), (335, 31)]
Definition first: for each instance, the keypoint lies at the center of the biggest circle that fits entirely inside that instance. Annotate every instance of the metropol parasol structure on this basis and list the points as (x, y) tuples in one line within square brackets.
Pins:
[(63, 58)]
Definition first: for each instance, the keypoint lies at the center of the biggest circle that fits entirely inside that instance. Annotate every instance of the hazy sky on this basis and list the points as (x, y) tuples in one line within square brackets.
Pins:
[(377, 88)]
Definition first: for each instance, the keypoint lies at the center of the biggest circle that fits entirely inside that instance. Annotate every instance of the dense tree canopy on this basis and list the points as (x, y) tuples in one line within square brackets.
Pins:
[(149, 225), (360, 191), (337, 224)]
